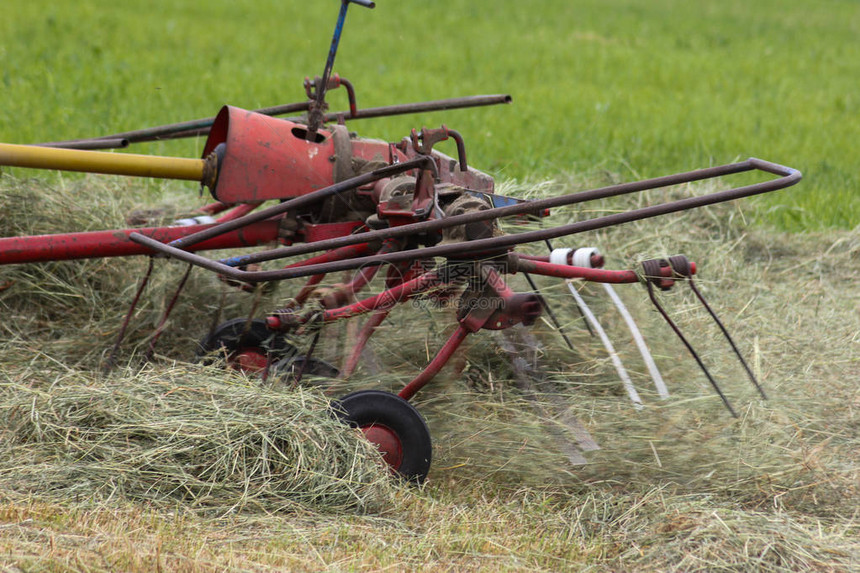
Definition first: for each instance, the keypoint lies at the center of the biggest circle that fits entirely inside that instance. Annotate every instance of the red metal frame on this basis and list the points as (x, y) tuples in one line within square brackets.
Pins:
[(116, 243)]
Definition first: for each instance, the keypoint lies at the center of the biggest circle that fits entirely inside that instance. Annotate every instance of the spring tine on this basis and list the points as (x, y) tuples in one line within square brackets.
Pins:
[(677, 330), (681, 267), (728, 337), (640, 341), (548, 310), (160, 328), (307, 359), (616, 360), (521, 349), (111, 361)]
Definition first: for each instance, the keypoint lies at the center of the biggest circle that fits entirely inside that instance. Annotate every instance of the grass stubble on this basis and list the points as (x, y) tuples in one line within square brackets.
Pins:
[(179, 466)]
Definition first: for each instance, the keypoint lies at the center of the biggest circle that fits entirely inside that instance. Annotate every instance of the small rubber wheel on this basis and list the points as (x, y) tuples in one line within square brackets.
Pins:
[(394, 426), (246, 345)]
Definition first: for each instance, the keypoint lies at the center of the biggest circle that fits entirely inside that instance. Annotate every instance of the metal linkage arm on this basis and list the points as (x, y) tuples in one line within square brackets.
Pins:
[(788, 177), (520, 264)]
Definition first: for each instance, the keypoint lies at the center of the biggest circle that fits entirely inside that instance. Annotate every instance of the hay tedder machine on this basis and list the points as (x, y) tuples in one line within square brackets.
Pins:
[(424, 222)]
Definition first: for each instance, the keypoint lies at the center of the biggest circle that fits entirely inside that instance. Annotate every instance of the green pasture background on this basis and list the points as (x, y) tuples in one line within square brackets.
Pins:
[(636, 88)]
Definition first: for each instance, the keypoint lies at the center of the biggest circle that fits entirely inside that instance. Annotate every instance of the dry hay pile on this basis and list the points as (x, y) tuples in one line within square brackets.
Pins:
[(178, 435), (168, 434)]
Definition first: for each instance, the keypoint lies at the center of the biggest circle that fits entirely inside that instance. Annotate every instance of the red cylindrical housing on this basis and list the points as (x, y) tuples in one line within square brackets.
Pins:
[(270, 158)]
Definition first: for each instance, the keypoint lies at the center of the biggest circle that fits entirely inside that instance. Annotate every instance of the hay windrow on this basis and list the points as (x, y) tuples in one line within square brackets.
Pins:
[(180, 435)]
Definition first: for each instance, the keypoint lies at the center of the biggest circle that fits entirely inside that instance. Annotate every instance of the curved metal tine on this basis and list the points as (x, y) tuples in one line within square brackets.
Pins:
[(690, 348), (159, 330), (111, 361), (639, 340), (616, 360), (301, 372), (728, 337), (548, 310), (516, 342)]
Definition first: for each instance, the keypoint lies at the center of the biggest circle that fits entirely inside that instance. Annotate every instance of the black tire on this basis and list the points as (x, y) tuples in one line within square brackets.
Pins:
[(237, 336), (378, 413), (313, 367), (234, 336)]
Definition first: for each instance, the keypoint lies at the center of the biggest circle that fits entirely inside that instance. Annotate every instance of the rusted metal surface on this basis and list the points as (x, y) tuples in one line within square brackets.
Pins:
[(312, 88), (423, 142), (788, 176), (267, 158), (303, 201)]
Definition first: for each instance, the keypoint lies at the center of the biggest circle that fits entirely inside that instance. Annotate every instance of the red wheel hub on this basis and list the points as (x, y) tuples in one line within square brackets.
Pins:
[(386, 440), (250, 360)]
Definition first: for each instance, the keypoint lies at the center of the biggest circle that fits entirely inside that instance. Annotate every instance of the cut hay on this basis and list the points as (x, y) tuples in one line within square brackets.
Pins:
[(180, 434), (679, 485), (791, 303)]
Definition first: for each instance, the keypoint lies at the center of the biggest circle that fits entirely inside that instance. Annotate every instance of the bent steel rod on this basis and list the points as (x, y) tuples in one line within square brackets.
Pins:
[(788, 177), (171, 130), (385, 111), (518, 209), (201, 126), (89, 144)]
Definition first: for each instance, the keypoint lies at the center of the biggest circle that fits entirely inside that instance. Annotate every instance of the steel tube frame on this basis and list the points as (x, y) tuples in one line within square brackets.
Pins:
[(533, 207), (441, 359), (198, 127), (571, 272), (788, 177)]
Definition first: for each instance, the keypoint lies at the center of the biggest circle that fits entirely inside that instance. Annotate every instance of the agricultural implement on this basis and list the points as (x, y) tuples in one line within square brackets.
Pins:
[(425, 222)]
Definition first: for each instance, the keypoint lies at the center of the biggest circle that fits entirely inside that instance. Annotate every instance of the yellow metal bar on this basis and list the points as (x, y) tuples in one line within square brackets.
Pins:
[(101, 162)]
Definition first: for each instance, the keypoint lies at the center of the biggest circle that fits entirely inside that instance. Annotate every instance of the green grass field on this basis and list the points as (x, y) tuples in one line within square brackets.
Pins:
[(634, 87), (107, 472)]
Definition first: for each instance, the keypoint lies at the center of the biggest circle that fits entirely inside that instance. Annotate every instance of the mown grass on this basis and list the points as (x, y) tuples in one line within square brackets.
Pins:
[(678, 486), (640, 88)]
